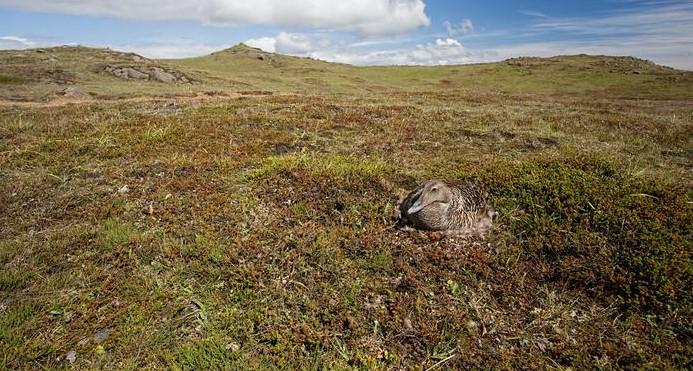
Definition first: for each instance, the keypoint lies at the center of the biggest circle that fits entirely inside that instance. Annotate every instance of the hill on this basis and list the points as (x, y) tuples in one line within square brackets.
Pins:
[(42, 74)]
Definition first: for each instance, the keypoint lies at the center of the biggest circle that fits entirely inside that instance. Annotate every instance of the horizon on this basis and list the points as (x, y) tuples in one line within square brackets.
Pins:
[(322, 60), (362, 33)]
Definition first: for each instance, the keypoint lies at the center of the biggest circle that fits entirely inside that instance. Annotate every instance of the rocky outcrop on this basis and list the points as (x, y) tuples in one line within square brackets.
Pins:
[(147, 73)]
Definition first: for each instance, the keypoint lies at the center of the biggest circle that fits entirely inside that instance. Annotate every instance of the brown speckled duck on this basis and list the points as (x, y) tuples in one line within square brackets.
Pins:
[(444, 205)]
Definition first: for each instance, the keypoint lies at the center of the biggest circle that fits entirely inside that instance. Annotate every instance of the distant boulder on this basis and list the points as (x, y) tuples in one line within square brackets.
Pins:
[(163, 76), (127, 73), (73, 92)]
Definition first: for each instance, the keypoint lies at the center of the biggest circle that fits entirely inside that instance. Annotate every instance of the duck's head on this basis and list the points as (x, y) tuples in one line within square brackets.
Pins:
[(433, 192)]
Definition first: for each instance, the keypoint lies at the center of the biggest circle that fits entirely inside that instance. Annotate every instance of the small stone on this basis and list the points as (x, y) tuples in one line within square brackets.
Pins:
[(408, 325), (73, 92), (71, 356), (124, 189), (233, 346), (472, 327), (101, 336)]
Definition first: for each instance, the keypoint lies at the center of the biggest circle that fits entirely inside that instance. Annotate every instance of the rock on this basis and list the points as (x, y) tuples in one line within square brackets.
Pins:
[(124, 189), (135, 74), (408, 325), (73, 92), (472, 327), (127, 73), (71, 356), (163, 76), (101, 336), (233, 346)]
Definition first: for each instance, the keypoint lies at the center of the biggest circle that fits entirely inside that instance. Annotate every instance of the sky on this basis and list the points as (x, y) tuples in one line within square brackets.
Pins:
[(361, 32)]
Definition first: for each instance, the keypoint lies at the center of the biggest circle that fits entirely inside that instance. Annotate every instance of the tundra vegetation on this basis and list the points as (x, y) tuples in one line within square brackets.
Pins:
[(238, 215)]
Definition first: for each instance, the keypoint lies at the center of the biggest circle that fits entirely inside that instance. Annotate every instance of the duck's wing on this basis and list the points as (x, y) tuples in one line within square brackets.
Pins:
[(473, 195)]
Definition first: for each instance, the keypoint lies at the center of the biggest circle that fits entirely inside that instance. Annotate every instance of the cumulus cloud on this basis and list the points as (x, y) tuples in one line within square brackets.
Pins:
[(268, 44), (289, 43), (366, 16), (464, 27), (440, 52)]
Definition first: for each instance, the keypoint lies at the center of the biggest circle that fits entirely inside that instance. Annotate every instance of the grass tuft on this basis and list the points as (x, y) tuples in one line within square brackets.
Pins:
[(115, 233)]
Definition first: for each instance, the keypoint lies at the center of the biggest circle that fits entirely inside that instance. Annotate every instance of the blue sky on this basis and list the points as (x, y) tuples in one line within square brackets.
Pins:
[(363, 32)]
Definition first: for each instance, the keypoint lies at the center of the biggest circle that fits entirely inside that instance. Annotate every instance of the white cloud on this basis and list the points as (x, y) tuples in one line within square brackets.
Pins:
[(290, 43), (532, 13), (19, 41), (294, 43), (268, 44), (367, 16), (441, 52), (464, 27)]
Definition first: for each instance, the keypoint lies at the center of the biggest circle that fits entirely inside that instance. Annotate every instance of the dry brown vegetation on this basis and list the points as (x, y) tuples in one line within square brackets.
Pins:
[(255, 231)]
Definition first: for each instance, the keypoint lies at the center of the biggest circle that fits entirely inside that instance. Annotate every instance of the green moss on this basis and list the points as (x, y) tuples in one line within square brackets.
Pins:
[(11, 279), (600, 229), (205, 354), (115, 233)]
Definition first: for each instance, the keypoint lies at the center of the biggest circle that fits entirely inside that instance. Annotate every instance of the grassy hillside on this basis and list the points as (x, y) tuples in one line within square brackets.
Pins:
[(43, 74), (254, 230)]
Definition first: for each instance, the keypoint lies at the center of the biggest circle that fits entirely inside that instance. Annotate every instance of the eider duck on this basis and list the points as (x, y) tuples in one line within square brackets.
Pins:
[(445, 205)]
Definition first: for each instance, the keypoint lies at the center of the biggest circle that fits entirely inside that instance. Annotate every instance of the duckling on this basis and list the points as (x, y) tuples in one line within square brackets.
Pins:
[(444, 205)]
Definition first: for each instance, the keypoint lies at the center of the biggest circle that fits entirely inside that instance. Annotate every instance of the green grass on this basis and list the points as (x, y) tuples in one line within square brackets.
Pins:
[(9, 79), (321, 166), (115, 233), (257, 229)]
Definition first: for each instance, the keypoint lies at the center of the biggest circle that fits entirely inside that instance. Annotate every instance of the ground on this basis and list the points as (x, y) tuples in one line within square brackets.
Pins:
[(244, 220)]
